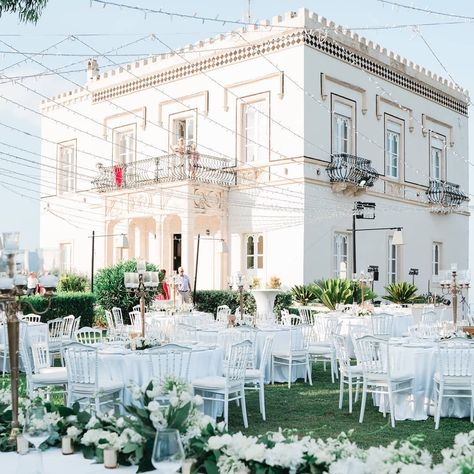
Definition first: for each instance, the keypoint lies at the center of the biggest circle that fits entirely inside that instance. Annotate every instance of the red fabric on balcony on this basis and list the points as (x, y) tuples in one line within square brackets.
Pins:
[(118, 171)]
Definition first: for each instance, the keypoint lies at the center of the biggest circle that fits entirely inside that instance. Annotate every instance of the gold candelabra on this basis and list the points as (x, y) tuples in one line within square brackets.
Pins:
[(455, 287)]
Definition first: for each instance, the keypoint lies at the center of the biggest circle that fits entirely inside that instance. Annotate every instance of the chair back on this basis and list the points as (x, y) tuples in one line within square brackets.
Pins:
[(239, 356), (89, 336), (68, 325), (170, 360), (56, 330), (76, 325), (372, 355), (382, 324), (222, 313), (266, 354), (288, 319), (429, 317), (309, 334), (137, 308), (456, 357), (118, 318), (185, 332), (40, 353), (233, 336), (31, 318), (325, 328), (342, 351), (136, 320), (307, 315), (82, 364)]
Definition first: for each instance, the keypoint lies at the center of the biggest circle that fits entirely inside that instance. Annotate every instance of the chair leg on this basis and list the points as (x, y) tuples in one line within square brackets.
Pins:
[(261, 394), (391, 405), (244, 407), (362, 404), (226, 409), (357, 389), (341, 391), (332, 369), (273, 371), (4, 363), (309, 367), (290, 364), (349, 378), (438, 406)]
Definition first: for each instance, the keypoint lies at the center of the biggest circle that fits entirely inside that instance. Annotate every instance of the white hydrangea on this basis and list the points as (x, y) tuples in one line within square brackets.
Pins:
[(231, 465), (288, 455), (73, 432), (348, 466)]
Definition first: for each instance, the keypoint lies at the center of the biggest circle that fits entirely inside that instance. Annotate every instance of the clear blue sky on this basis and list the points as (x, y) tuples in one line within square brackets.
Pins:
[(19, 199)]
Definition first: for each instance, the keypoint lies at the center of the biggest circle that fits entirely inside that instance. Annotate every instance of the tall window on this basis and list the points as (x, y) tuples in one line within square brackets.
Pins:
[(65, 257), (254, 252), (393, 136), (342, 128), (255, 131), (185, 129), (437, 156), (392, 261), (340, 259), (124, 145), (66, 167), (436, 258)]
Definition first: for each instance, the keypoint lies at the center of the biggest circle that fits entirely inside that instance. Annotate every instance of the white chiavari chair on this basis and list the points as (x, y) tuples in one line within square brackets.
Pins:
[(170, 360), (55, 337), (382, 324), (89, 336), (222, 314)]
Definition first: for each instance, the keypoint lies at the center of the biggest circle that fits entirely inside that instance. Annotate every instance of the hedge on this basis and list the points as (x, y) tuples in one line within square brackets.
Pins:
[(209, 300), (63, 304)]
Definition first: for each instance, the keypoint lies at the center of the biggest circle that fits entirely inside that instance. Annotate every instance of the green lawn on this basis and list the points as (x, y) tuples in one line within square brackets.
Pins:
[(315, 410)]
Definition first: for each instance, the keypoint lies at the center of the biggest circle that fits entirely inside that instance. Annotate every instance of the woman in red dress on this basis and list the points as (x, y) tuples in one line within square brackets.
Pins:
[(164, 285)]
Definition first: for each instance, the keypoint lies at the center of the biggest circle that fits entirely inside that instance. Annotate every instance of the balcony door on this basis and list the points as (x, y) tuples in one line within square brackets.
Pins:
[(176, 251)]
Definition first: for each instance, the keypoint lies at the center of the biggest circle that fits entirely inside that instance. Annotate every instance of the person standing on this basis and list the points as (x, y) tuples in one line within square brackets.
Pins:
[(164, 284), (184, 286), (32, 284)]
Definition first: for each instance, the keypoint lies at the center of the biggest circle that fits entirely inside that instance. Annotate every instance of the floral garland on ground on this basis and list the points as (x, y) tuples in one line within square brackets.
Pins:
[(171, 404)]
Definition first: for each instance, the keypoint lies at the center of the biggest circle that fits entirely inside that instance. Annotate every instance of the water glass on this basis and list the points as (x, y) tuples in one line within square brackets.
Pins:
[(37, 430), (168, 452)]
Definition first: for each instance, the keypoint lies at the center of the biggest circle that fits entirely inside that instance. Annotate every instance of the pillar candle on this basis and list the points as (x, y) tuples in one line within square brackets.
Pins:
[(66, 445), (21, 445), (110, 458)]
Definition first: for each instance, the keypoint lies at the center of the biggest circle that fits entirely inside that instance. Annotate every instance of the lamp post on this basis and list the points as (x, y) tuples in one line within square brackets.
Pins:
[(413, 272), (455, 287), (140, 283), (11, 290)]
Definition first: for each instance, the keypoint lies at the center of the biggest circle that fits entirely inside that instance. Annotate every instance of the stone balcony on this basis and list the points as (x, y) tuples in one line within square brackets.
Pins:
[(194, 167), (350, 173), (444, 196)]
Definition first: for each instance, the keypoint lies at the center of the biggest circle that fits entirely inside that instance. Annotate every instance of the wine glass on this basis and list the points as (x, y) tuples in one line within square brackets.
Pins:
[(168, 452), (37, 430)]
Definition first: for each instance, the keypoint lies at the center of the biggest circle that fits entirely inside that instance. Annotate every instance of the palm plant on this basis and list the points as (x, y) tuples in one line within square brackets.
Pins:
[(401, 293), (334, 291), (304, 294)]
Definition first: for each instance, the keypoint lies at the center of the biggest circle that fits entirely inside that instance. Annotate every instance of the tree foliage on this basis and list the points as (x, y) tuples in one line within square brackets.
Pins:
[(28, 11), (73, 282)]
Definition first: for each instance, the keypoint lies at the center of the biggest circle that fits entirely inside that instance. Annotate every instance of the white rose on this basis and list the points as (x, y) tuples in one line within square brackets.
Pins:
[(153, 406)]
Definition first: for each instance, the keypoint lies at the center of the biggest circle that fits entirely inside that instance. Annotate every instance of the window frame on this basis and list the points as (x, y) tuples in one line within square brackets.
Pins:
[(344, 101), (396, 122), (183, 116), (122, 129), (72, 179), (443, 158), (261, 141), (393, 257), (258, 257), (338, 259), (439, 246)]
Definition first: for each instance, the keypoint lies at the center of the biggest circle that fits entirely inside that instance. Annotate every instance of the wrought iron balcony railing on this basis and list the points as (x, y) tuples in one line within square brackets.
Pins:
[(447, 196), (165, 169), (345, 168)]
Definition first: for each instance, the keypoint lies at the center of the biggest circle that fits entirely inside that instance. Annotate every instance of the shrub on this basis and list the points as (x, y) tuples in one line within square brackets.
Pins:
[(334, 291), (63, 304), (71, 282), (110, 290), (209, 300), (402, 293)]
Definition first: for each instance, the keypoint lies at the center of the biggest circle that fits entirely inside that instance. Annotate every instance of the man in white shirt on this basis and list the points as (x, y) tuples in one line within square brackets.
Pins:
[(185, 285)]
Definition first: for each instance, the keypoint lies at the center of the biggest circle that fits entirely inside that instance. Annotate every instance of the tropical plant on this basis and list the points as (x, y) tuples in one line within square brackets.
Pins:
[(73, 282), (109, 286), (401, 293), (304, 294), (334, 291)]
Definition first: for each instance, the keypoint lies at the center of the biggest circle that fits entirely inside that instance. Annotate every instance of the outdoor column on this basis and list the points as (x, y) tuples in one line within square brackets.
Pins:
[(187, 246)]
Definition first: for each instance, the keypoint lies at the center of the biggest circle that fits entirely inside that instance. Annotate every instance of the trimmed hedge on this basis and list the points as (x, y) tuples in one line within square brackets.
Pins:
[(63, 304), (209, 300)]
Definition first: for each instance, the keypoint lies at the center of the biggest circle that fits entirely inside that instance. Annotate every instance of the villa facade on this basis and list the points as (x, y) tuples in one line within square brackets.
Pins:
[(260, 141)]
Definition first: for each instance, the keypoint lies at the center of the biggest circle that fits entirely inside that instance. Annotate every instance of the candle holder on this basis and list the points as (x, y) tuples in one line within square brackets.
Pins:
[(453, 283), (239, 280), (142, 283), (362, 279)]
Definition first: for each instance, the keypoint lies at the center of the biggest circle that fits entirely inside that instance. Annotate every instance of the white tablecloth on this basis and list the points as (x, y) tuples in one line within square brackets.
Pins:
[(280, 344), (54, 463), (135, 367), (417, 404)]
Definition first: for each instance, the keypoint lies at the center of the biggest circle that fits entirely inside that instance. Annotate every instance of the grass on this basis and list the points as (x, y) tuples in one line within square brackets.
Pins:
[(314, 410)]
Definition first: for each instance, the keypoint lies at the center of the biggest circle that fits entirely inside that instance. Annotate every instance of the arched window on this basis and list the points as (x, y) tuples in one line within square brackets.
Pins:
[(254, 251)]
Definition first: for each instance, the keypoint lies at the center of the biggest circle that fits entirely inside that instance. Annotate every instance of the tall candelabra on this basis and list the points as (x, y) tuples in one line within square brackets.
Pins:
[(240, 282), (142, 283), (12, 288), (455, 286), (362, 279)]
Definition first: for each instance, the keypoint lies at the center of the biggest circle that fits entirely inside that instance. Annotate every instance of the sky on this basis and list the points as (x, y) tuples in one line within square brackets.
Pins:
[(444, 49)]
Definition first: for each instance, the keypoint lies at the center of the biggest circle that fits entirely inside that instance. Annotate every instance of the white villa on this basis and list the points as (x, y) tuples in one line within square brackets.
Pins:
[(260, 141)]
